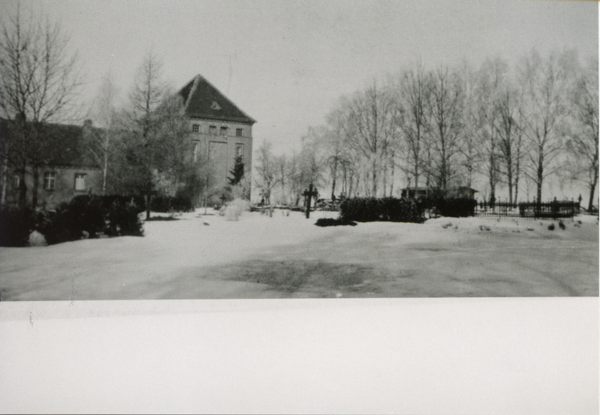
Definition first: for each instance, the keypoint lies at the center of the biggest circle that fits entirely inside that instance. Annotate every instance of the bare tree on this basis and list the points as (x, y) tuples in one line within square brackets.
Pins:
[(39, 80), (413, 97), (281, 166), (490, 79), (445, 108), (583, 143), (266, 169), (546, 85), (105, 115), (369, 128), (143, 118), (510, 137)]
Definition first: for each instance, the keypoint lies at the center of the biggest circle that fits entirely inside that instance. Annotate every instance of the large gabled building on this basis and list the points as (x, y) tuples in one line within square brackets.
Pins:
[(220, 130)]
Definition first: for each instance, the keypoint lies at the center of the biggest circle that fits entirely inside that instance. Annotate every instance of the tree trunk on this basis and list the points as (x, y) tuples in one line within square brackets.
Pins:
[(148, 201), (4, 183), (540, 178), (104, 173), (22, 188), (592, 191), (392, 177), (384, 179), (34, 190), (374, 178), (333, 181)]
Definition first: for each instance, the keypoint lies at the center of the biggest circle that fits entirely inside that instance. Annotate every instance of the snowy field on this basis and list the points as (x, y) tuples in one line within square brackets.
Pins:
[(205, 256)]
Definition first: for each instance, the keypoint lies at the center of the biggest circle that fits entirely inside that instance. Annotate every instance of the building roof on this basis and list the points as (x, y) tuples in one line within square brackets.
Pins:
[(201, 99), (69, 141)]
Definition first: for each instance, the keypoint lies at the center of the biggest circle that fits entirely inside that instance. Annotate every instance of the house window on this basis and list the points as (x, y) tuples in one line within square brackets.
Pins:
[(49, 181), (196, 128), (215, 106), (16, 181), (79, 181), (239, 150), (238, 132), (196, 145), (212, 130), (223, 130)]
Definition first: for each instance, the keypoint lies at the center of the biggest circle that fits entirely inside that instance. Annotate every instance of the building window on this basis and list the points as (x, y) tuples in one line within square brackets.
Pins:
[(212, 130), (239, 150), (196, 128), (223, 130), (16, 181), (238, 132), (196, 145), (49, 181), (215, 106), (79, 182)]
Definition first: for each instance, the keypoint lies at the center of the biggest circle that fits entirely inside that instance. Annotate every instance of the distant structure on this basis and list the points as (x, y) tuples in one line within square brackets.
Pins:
[(66, 173), (220, 130)]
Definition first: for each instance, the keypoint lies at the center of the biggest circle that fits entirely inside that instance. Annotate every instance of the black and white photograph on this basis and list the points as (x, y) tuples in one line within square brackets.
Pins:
[(260, 206)]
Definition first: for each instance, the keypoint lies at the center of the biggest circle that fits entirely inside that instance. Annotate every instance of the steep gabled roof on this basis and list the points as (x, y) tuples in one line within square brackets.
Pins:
[(71, 147), (201, 99)]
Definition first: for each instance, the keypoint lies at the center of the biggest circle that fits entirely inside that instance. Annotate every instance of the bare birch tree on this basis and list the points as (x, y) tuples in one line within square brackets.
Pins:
[(369, 129), (445, 108), (583, 143), (266, 169), (412, 99), (546, 87), (105, 116)]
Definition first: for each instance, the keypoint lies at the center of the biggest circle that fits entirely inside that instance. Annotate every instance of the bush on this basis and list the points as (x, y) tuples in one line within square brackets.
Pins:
[(333, 222), (386, 209), (17, 224), (448, 206), (166, 204), (235, 208), (83, 217)]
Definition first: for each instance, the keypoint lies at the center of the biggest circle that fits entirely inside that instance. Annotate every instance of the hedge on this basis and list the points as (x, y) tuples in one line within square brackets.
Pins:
[(82, 217), (448, 206), (166, 204), (380, 209)]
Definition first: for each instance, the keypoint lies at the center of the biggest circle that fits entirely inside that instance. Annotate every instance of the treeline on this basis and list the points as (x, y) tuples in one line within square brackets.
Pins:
[(448, 126)]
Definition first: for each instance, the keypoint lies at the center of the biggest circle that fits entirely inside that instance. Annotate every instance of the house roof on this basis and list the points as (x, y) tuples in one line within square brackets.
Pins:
[(72, 147), (203, 100)]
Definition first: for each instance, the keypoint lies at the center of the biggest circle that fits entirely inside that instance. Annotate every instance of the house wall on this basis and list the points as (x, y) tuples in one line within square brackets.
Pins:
[(64, 185), (223, 157)]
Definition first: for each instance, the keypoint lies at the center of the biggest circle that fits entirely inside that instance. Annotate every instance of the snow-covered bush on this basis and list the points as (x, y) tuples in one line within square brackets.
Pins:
[(37, 239), (235, 208)]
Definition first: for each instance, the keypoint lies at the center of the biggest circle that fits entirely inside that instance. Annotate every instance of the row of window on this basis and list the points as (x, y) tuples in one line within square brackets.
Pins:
[(50, 181), (212, 130), (239, 151)]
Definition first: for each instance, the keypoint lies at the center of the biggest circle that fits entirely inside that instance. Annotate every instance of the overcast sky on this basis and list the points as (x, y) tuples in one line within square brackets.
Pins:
[(286, 63)]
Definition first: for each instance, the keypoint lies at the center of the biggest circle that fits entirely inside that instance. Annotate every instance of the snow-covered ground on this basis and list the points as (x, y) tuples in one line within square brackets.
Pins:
[(206, 256)]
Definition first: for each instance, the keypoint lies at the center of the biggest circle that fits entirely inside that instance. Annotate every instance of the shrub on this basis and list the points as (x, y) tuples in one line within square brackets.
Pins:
[(235, 208), (448, 206), (16, 225), (92, 217), (166, 204), (386, 209), (333, 222)]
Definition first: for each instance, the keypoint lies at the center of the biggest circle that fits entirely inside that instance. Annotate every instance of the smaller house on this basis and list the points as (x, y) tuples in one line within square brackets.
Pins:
[(69, 172), (455, 192)]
